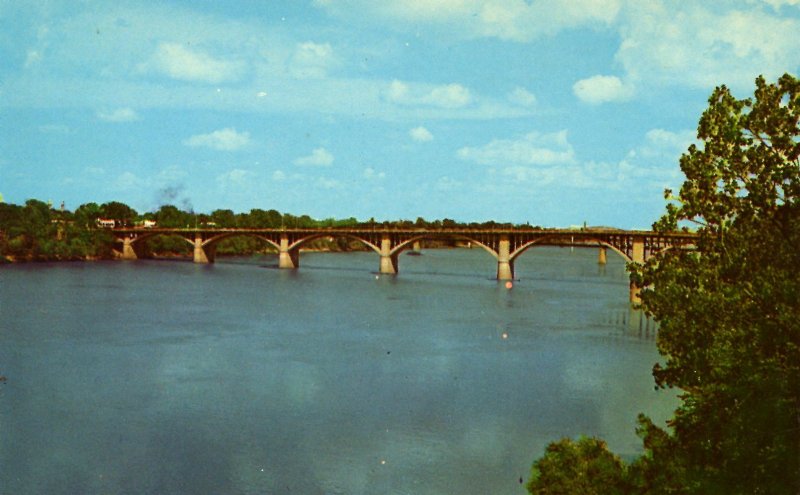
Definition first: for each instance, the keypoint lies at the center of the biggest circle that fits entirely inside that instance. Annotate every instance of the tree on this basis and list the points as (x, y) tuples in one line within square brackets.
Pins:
[(86, 215), (728, 310), (224, 218), (171, 216), (584, 467), (118, 211)]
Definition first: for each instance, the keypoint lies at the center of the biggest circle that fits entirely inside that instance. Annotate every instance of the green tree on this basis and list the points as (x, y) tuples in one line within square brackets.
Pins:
[(224, 219), (118, 211), (584, 467), (729, 310), (171, 216), (86, 215)]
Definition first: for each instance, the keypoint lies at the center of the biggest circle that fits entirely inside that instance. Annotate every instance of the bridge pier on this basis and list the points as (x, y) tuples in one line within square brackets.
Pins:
[(602, 257), (203, 254), (128, 253), (389, 261), (505, 267), (287, 258), (637, 256)]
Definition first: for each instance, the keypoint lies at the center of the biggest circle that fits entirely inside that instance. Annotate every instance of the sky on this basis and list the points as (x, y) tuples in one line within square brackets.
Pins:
[(552, 113)]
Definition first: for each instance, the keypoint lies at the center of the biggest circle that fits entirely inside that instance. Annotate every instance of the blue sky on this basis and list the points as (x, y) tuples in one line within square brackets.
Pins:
[(552, 113)]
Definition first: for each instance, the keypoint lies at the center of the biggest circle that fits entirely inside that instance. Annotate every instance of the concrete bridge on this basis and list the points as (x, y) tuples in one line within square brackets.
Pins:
[(505, 245)]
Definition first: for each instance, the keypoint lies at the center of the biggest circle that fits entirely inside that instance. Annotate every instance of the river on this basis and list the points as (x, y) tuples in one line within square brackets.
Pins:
[(167, 377)]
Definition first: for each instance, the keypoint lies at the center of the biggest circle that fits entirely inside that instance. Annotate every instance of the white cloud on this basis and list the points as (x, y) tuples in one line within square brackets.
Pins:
[(443, 96), (660, 141), (420, 134), (602, 89), (32, 58), (644, 171), (312, 60), (687, 44), (227, 139), (371, 174), (514, 20), (446, 183), (119, 115), (326, 183), (320, 157), (532, 149), (127, 181), (448, 96), (235, 177), (180, 62), (278, 175), (777, 4), (171, 175), (522, 96)]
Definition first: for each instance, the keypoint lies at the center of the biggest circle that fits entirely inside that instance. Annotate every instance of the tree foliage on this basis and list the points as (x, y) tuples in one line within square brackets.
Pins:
[(729, 310), (585, 467)]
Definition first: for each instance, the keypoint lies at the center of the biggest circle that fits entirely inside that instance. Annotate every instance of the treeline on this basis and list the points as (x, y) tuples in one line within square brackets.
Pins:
[(36, 231)]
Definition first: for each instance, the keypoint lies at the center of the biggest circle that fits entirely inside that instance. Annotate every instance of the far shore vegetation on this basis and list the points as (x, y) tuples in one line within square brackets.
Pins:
[(38, 231)]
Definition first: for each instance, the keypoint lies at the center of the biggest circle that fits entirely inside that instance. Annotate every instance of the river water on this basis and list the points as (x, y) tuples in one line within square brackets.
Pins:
[(166, 377)]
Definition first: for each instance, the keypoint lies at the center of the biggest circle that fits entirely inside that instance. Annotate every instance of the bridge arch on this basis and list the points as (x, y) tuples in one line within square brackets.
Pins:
[(404, 245), (297, 244), (149, 235), (547, 241), (212, 242)]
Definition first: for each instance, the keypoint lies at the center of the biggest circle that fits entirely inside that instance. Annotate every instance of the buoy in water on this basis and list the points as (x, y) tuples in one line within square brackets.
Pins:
[(509, 285)]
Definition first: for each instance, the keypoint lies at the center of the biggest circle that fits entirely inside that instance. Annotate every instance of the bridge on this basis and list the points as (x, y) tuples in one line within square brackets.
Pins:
[(505, 245)]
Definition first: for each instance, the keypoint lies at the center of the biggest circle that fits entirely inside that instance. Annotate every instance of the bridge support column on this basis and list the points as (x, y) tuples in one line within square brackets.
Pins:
[(389, 262), (637, 256), (288, 258), (201, 254), (128, 253), (417, 247), (505, 267), (602, 257)]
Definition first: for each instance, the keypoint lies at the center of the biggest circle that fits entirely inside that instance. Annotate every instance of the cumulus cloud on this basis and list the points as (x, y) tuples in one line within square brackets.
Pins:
[(128, 180), (522, 96), (514, 20), (326, 183), (179, 62), (118, 115), (645, 170), (320, 157), (443, 96), (420, 134), (534, 148), (371, 174), (446, 183), (687, 44), (32, 58), (227, 139), (236, 177), (312, 60), (777, 4), (602, 89)]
